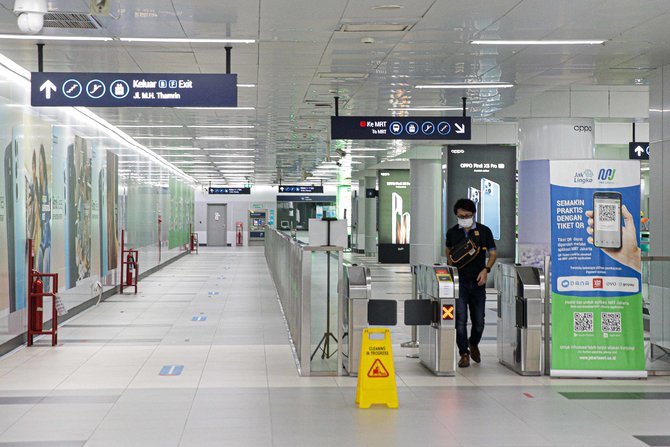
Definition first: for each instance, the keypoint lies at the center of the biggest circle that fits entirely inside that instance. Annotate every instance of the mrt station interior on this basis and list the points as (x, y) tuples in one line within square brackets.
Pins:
[(296, 223)]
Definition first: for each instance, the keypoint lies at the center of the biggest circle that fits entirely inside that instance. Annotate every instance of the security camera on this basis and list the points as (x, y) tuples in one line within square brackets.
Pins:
[(31, 15)]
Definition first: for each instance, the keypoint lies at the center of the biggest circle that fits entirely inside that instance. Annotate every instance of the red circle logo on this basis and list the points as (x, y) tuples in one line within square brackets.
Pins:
[(363, 124)]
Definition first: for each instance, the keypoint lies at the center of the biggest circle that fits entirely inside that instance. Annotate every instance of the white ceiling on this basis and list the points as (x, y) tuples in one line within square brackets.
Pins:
[(298, 39)]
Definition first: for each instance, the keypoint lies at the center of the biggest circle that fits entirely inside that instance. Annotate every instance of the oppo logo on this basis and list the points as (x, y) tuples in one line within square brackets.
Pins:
[(458, 151), (583, 129)]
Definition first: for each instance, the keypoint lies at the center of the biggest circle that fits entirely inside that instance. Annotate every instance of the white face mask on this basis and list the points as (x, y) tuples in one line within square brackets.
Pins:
[(466, 223)]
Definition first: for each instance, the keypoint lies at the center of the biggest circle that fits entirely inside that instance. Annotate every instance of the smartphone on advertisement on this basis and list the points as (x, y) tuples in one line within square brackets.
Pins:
[(489, 208), (607, 219), (473, 194)]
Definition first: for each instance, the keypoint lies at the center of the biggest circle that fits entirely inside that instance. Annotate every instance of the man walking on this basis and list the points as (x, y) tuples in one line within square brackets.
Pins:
[(473, 270)]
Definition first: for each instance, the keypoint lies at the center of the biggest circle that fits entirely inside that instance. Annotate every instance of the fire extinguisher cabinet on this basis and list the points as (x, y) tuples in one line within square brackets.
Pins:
[(36, 295), (130, 266)]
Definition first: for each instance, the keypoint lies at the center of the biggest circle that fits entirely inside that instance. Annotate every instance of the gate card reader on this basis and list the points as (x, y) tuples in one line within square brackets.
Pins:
[(520, 318), (437, 342), (357, 293)]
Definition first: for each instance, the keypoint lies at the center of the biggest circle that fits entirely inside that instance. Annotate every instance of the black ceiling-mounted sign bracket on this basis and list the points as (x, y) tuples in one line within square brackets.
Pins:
[(229, 51), (40, 57)]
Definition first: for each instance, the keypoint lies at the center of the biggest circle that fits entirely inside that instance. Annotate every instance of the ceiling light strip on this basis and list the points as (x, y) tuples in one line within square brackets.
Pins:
[(538, 42), (182, 40), (56, 38), (466, 85), (424, 109)]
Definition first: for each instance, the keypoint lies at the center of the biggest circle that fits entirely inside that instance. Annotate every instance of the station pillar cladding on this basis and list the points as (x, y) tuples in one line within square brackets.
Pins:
[(659, 196), (370, 219), (545, 139), (425, 239)]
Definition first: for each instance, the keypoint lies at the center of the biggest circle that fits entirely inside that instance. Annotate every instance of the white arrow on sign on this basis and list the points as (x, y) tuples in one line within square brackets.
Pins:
[(47, 88), (639, 151), (460, 128)]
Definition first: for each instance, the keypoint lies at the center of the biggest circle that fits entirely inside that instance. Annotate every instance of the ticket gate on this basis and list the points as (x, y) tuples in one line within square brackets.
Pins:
[(437, 341), (520, 318), (356, 294)]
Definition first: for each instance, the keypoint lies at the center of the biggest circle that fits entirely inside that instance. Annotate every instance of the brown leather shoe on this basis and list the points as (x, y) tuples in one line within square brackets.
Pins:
[(464, 362), (476, 355)]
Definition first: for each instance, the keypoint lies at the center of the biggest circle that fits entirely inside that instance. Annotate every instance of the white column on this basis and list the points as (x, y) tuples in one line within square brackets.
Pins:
[(425, 240), (659, 204), (370, 219), (360, 212), (556, 139)]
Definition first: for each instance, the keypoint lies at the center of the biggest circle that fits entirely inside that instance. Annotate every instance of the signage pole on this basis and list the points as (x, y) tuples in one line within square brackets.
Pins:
[(633, 132), (465, 101), (228, 58), (337, 106), (40, 57)]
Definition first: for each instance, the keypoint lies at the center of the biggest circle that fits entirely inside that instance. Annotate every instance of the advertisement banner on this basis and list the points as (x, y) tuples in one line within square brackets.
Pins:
[(487, 176), (596, 315), (394, 216)]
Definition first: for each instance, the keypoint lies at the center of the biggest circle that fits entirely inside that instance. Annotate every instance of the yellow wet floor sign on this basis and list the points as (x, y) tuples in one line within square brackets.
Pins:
[(376, 373)]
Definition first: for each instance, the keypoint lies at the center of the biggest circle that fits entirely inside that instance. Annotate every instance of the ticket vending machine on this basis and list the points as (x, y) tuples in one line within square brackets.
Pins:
[(437, 341), (258, 224)]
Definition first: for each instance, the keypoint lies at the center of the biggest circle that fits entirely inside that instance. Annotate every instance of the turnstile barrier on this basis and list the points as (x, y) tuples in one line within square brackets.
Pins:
[(437, 341), (357, 293), (521, 318)]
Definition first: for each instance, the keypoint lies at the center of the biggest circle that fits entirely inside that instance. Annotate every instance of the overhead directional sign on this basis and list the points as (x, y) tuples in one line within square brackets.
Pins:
[(638, 151), (301, 189), (400, 128), (226, 190), (133, 90)]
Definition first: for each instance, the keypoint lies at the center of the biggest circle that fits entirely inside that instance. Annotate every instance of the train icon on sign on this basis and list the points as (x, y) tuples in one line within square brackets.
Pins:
[(395, 128)]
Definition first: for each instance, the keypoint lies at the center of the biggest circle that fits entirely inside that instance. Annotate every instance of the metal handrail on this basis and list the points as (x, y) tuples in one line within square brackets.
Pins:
[(655, 258), (291, 271)]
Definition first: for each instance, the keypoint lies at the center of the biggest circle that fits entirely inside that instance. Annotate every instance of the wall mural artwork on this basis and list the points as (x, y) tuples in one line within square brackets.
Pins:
[(63, 191), (82, 210), (112, 210)]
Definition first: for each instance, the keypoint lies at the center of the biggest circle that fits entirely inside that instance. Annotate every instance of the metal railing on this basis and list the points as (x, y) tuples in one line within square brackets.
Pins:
[(309, 281), (656, 297)]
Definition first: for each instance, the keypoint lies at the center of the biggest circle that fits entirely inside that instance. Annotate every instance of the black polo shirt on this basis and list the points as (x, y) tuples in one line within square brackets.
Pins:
[(482, 236)]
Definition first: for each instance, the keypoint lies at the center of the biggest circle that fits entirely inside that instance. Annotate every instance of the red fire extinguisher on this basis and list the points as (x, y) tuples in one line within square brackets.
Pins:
[(129, 269), (36, 317)]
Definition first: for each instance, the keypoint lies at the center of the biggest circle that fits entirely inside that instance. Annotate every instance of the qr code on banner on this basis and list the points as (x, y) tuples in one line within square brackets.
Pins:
[(606, 212), (611, 322), (583, 321)]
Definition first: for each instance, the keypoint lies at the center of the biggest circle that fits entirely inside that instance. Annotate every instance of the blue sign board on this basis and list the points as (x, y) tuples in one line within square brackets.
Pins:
[(319, 199), (638, 151), (225, 190), (133, 90), (400, 128), (301, 189)]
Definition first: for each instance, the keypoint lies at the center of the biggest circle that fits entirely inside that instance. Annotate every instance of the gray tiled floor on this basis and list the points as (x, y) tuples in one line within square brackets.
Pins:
[(101, 386)]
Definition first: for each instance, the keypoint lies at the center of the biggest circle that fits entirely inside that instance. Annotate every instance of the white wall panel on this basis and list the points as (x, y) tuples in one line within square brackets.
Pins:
[(589, 104)]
